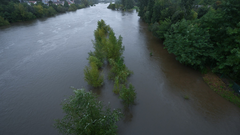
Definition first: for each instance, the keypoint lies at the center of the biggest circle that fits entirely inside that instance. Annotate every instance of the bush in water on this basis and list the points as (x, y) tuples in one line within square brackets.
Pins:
[(93, 76), (128, 95)]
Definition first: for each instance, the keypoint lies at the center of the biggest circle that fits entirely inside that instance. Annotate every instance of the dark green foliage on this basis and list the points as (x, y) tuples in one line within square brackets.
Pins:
[(51, 11), (72, 7), (159, 29), (128, 95), (3, 22), (93, 76), (61, 9), (202, 11), (147, 16), (223, 26), (85, 115), (129, 4), (142, 7), (189, 43), (66, 4), (163, 28), (187, 6)]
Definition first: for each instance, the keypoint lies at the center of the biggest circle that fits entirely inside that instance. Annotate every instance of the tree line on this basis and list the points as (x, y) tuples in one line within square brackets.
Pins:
[(108, 47), (14, 11), (201, 33)]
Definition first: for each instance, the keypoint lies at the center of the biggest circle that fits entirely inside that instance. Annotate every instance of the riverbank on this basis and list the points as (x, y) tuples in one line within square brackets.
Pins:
[(221, 87)]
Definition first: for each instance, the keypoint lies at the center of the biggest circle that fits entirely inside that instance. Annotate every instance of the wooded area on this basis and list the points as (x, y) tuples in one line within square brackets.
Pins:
[(202, 34)]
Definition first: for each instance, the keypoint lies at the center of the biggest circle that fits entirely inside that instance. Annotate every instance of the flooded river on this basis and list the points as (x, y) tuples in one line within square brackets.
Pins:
[(40, 60)]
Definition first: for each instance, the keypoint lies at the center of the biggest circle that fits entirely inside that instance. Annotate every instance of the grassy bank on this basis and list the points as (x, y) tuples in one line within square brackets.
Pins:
[(223, 89)]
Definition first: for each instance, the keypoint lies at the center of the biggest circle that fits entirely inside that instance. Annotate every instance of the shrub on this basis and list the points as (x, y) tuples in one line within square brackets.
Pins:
[(93, 76), (128, 95), (85, 116)]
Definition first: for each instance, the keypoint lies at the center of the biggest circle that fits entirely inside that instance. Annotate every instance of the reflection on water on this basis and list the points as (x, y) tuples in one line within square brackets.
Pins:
[(41, 59)]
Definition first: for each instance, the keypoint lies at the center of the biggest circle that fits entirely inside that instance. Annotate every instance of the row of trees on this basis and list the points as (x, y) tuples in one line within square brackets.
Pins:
[(85, 115), (13, 11), (108, 47), (201, 36)]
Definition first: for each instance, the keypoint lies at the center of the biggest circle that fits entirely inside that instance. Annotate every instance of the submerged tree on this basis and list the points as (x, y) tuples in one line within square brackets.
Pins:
[(93, 76), (85, 116)]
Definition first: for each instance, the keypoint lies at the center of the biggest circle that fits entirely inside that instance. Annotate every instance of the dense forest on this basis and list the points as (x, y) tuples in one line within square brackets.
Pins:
[(203, 34), (14, 11)]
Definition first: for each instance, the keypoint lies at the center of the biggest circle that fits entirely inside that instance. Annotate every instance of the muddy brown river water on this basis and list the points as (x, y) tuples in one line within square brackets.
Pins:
[(41, 59)]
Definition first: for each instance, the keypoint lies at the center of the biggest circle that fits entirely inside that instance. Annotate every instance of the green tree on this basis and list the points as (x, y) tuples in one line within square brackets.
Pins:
[(187, 6), (85, 116)]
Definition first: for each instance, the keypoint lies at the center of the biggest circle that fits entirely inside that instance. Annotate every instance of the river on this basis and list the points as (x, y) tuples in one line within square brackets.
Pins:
[(41, 59)]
